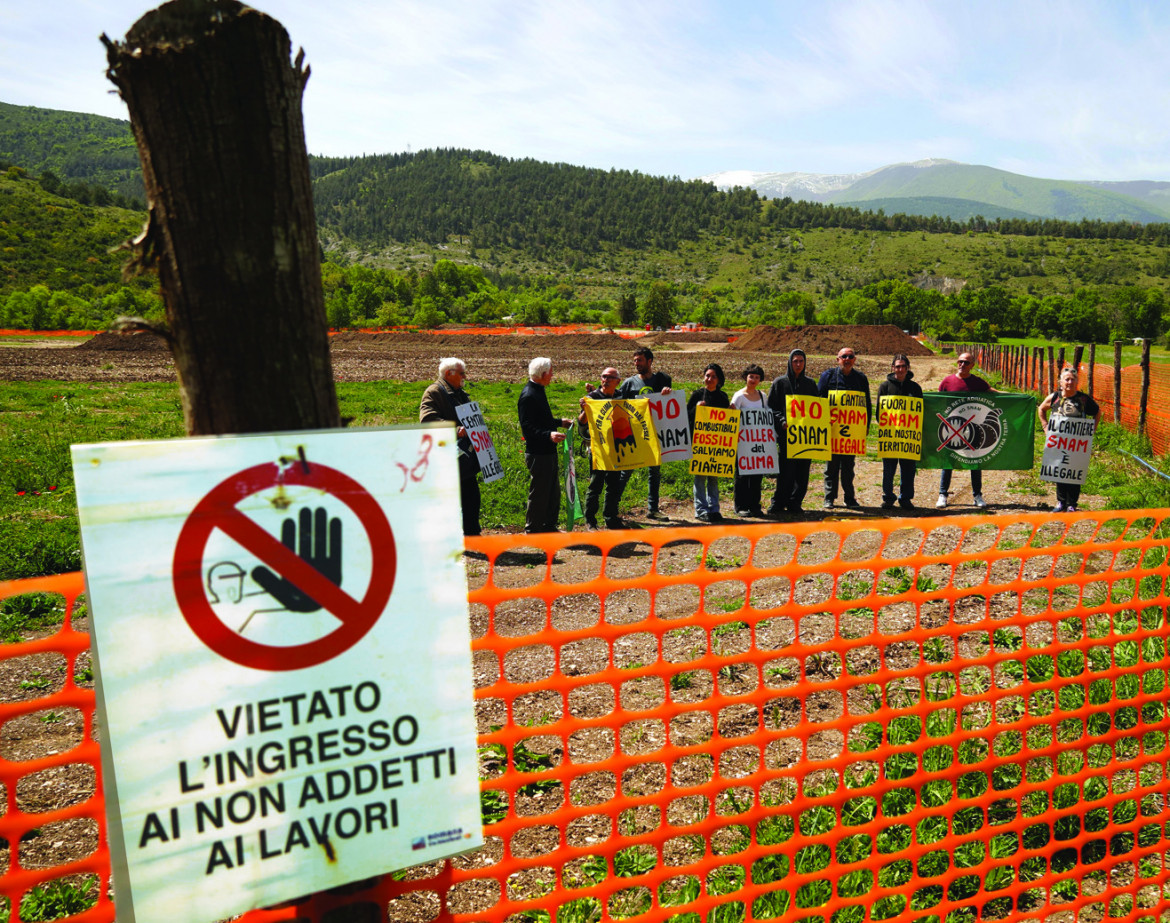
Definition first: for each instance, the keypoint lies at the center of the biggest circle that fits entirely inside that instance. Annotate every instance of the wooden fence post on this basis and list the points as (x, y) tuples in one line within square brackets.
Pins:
[(1092, 365), (1051, 371), (1117, 381), (1145, 396), (1059, 367), (1078, 353)]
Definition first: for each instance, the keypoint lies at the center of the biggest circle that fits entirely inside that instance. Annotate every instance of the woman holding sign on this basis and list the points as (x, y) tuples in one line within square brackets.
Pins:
[(749, 487), (899, 383), (1068, 402), (706, 489)]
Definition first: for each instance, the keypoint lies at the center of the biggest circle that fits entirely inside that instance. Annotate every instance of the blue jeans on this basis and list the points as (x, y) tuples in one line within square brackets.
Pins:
[(706, 494), (944, 481)]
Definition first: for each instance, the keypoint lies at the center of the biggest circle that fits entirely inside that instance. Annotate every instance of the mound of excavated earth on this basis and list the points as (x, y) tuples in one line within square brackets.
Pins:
[(827, 339)]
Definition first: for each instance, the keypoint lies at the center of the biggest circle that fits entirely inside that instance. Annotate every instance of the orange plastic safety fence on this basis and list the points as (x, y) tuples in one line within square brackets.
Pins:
[(929, 719), (1157, 406), (50, 771)]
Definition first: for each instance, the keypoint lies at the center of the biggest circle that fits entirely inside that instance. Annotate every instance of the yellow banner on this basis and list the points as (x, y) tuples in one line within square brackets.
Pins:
[(716, 438), (847, 422), (622, 435), (807, 434), (899, 432)]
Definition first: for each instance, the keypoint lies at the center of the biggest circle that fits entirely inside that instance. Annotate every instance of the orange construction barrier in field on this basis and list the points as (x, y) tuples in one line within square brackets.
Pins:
[(935, 719)]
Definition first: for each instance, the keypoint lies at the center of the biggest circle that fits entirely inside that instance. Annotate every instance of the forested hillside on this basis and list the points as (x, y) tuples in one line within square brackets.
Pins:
[(469, 236), (74, 147), (497, 201)]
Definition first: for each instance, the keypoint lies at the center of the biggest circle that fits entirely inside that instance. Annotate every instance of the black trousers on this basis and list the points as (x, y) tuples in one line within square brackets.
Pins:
[(609, 481), (748, 488), (840, 467), (791, 484), (544, 494)]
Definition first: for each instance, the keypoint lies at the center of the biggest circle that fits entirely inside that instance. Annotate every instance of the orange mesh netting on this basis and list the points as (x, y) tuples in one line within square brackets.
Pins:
[(1157, 406), (946, 718)]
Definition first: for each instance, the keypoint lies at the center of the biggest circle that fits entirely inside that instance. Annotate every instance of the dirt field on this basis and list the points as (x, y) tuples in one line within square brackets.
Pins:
[(414, 356)]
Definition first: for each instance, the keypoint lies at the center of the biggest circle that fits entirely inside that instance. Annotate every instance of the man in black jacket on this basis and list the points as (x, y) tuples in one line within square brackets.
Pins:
[(844, 377), (792, 481), (899, 382), (439, 401), (539, 428)]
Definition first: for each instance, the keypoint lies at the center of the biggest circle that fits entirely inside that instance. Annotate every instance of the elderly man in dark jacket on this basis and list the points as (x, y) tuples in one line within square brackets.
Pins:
[(438, 403), (792, 481), (539, 428), (899, 382)]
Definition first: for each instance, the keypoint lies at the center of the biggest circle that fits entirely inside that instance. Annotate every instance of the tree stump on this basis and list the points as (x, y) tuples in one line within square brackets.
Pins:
[(215, 104)]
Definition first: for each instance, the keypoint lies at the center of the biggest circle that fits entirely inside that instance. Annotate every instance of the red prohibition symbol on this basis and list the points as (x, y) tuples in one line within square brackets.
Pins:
[(218, 511)]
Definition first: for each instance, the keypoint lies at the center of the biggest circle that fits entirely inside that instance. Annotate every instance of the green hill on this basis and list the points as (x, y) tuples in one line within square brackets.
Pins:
[(49, 240), (990, 187), (955, 209), (75, 146)]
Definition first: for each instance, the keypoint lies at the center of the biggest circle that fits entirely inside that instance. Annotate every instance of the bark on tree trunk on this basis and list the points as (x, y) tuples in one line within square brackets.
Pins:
[(215, 104)]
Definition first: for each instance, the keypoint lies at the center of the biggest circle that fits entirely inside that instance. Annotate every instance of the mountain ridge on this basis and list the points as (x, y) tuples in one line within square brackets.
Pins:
[(913, 186)]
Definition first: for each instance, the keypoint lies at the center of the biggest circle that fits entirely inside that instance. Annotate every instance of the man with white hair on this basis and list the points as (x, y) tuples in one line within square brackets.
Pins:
[(438, 403), (539, 428)]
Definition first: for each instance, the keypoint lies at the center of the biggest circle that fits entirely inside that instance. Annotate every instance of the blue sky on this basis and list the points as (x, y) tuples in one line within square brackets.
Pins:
[(1065, 90)]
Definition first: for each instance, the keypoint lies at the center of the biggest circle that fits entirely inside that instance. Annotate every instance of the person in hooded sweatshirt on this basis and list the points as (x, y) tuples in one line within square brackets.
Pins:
[(899, 382), (792, 481)]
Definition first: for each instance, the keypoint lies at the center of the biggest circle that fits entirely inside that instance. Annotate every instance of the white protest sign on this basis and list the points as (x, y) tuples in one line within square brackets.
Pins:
[(285, 706), (1068, 443), (756, 452), (669, 412), (471, 418)]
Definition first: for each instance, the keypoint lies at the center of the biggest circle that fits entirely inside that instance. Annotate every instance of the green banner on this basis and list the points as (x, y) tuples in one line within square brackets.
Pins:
[(573, 510), (974, 429)]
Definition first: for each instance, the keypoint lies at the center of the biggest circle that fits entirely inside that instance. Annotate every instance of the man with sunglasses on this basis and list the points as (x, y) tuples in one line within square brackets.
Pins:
[(610, 481), (964, 380), (843, 377)]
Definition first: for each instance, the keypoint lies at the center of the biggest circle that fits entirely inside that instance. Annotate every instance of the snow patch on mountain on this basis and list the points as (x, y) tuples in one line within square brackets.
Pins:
[(810, 186)]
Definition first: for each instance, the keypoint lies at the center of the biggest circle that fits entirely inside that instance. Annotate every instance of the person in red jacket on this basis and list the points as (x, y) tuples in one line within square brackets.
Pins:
[(963, 380)]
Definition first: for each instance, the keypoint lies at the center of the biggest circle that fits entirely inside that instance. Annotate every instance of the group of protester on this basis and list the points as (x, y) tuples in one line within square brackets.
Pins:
[(541, 434)]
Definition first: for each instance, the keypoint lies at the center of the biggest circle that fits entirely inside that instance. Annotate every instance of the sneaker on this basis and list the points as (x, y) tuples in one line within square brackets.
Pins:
[(702, 517), (743, 514), (852, 505), (1071, 509), (887, 504), (614, 523), (758, 513), (906, 504), (654, 514), (1059, 508), (715, 517), (942, 502), (828, 504), (980, 502)]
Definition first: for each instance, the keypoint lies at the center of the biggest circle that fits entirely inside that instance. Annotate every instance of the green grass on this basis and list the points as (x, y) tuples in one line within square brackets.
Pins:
[(40, 420), (55, 899)]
